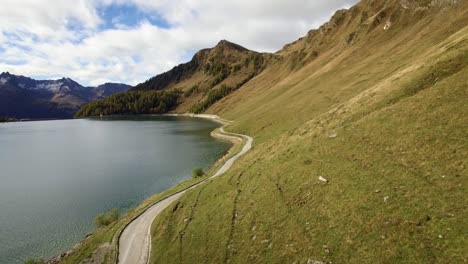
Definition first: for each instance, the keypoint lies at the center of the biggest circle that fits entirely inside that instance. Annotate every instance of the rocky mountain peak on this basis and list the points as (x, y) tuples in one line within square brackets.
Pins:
[(215, 63), (221, 51), (68, 81), (224, 44)]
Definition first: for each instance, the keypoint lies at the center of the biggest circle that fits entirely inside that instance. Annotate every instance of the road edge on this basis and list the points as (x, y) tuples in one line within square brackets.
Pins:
[(223, 135)]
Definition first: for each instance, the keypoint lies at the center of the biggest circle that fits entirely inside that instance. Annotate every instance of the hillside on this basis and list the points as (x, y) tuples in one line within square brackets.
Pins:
[(390, 39), (25, 98), (374, 104), (210, 75)]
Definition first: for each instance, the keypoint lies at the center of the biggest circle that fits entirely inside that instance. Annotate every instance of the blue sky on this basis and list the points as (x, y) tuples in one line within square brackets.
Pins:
[(129, 41), (128, 15)]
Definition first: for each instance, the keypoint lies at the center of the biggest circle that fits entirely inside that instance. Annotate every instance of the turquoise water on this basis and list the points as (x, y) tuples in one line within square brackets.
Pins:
[(55, 176)]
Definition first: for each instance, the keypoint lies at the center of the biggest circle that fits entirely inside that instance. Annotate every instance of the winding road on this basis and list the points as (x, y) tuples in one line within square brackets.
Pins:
[(135, 240)]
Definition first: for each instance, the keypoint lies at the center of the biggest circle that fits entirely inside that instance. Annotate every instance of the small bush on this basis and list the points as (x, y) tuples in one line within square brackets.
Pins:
[(197, 172), (213, 96), (236, 68), (102, 220), (191, 90), (34, 261)]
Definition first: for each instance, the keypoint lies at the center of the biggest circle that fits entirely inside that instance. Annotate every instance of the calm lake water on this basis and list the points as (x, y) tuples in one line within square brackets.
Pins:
[(55, 176)]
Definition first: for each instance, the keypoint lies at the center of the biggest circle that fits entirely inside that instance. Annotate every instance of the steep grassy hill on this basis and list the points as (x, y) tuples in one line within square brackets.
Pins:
[(375, 101), (341, 70)]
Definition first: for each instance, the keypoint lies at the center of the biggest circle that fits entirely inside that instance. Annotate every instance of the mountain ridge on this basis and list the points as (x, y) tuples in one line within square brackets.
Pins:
[(211, 74), (25, 98), (210, 61)]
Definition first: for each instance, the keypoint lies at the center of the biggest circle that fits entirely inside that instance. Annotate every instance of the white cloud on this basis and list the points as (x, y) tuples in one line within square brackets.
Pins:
[(58, 38), (47, 19)]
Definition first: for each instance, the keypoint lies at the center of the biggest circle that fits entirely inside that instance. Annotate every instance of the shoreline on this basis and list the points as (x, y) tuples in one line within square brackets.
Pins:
[(211, 117), (141, 224), (217, 133)]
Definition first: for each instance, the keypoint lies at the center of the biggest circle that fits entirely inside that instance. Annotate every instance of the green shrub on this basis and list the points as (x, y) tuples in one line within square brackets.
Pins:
[(236, 68), (34, 261), (216, 68), (191, 90), (197, 173), (213, 96), (218, 94), (102, 220), (218, 79)]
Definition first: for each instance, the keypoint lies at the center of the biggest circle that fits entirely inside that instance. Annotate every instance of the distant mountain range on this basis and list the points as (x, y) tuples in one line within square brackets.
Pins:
[(25, 98)]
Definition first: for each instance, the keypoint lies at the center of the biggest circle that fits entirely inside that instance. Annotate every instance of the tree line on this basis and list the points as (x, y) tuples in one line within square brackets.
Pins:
[(4, 119), (132, 102), (217, 94)]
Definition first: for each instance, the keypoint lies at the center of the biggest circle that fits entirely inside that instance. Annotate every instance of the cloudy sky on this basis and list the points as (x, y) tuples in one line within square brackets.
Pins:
[(96, 41)]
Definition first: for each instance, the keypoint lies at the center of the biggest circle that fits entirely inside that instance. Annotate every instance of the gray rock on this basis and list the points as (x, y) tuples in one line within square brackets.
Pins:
[(322, 179)]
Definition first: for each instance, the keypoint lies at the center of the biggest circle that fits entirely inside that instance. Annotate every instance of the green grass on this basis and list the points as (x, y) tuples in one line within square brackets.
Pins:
[(273, 209)]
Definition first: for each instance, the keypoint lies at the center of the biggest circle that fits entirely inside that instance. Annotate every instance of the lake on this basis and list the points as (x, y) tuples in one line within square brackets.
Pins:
[(55, 176)]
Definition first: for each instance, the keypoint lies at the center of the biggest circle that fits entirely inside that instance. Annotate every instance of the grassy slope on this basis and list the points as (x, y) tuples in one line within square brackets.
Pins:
[(281, 99), (397, 168)]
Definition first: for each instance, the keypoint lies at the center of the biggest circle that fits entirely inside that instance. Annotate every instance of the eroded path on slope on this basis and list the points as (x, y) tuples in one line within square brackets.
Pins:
[(135, 240)]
